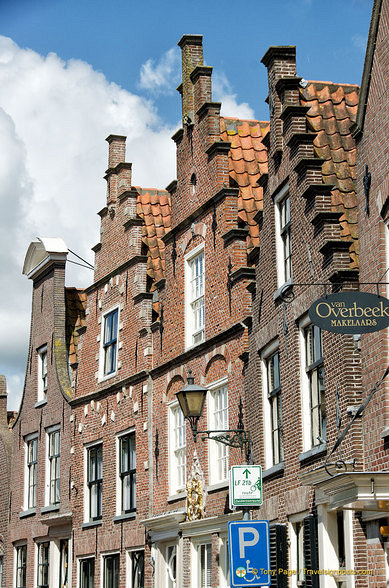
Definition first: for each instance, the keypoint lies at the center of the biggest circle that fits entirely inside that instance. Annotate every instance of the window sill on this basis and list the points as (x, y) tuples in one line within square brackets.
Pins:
[(128, 516), (103, 379), (50, 508), (40, 403), (179, 496), (273, 471), (313, 453), (283, 289), (27, 513), (91, 524), (223, 485)]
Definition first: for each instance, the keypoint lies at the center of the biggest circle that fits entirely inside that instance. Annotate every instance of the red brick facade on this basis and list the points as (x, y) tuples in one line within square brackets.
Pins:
[(213, 277)]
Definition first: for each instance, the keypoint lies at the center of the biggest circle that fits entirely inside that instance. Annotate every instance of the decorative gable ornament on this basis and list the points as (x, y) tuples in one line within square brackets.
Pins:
[(350, 312), (195, 492)]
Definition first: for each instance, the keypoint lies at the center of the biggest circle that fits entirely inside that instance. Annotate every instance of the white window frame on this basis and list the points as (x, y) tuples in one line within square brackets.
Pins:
[(27, 440), (129, 564), (190, 332), (200, 544), (270, 458), (42, 373), (296, 545), (308, 442), (224, 562), (38, 545), (119, 490), (104, 556), (17, 549), (177, 452), (79, 560), (102, 374), (217, 452), (49, 432), (280, 231), (87, 494)]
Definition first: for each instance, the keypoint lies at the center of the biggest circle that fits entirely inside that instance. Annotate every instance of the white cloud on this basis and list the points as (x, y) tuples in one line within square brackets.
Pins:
[(222, 92), (163, 76), (54, 117)]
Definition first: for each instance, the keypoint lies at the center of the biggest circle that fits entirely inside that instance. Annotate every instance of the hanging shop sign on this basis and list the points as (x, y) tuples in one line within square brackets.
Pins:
[(350, 312)]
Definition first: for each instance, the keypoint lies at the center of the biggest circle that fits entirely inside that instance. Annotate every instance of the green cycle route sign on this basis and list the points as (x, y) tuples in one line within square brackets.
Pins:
[(246, 485), (350, 312)]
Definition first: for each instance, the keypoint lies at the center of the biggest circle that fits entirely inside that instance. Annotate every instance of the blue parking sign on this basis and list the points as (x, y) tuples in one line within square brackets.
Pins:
[(248, 543)]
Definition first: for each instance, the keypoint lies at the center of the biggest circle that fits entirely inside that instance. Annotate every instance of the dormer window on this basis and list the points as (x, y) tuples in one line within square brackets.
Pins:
[(42, 373)]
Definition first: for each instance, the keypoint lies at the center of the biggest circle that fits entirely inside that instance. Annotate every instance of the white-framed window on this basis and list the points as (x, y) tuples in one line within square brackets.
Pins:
[(171, 565), (53, 444), (126, 472), (224, 562), (135, 564), (313, 397), (218, 421), (31, 466), (42, 373), (86, 567), (111, 570), (296, 547), (177, 449), (94, 482), (283, 236), (201, 568), (195, 297), (272, 405), (109, 343), (20, 566), (43, 558), (64, 563)]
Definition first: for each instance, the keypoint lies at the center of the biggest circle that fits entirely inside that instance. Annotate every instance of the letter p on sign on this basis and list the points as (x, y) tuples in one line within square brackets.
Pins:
[(252, 539)]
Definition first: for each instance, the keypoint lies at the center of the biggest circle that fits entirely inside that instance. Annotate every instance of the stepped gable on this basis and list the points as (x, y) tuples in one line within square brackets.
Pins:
[(332, 112), (75, 302), (154, 208), (247, 162)]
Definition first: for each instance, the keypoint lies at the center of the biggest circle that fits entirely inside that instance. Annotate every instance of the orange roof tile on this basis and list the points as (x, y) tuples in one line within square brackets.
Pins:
[(247, 162), (153, 207), (332, 111)]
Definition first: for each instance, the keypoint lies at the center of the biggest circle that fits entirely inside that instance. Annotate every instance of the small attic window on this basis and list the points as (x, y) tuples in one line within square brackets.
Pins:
[(193, 182)]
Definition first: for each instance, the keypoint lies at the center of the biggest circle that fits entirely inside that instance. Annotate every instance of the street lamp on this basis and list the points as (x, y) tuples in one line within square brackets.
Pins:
[(191, 399)]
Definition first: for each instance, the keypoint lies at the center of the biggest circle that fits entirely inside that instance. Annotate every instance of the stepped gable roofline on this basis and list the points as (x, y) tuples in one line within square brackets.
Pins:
[(41, 253), (332, 110)]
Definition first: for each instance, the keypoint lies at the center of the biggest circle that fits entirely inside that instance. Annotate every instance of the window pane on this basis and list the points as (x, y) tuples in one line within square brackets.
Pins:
[(137, 569)]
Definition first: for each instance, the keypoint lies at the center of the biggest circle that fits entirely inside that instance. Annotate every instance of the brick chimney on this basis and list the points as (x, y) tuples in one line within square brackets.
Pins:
[(280, 62), (118, 174), (3, 403), (192, 56)]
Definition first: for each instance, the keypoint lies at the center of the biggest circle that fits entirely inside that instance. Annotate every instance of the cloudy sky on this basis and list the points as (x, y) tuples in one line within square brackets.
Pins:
[(72, 72)]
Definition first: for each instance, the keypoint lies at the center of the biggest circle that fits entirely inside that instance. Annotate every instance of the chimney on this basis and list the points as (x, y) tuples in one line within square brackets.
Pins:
[(118, 174), (192, 56), (3, 403)]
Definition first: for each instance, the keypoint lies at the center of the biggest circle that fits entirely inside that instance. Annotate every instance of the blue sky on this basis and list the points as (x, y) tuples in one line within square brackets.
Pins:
[(116, 37), (73, 72)]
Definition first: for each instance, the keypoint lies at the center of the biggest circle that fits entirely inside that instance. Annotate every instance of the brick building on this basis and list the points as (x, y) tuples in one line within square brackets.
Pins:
[(371, 131), (212, 279), (6, 420), (40, 509)]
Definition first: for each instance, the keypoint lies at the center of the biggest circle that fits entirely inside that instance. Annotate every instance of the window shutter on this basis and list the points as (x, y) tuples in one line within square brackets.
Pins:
[(311, 552), (278, 555)]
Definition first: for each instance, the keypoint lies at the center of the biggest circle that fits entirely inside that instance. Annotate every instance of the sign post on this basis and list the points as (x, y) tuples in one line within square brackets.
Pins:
[(246, 485), (249, 553)]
